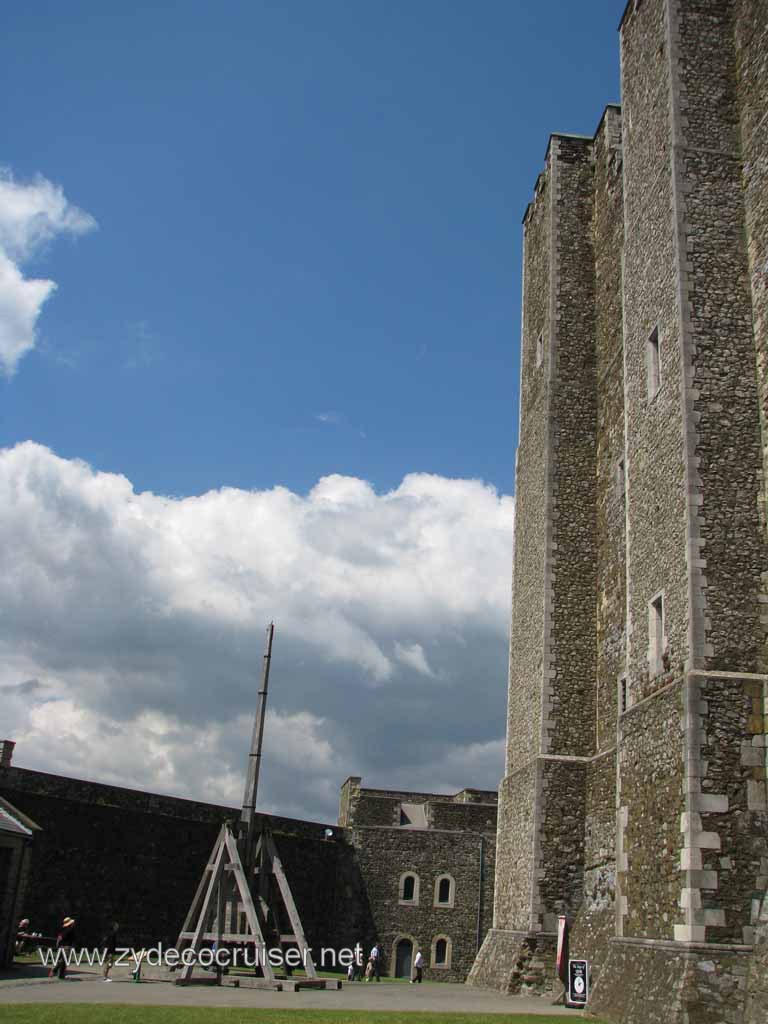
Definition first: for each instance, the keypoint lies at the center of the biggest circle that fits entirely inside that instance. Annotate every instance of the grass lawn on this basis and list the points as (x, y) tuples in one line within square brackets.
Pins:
[(85, 1013)]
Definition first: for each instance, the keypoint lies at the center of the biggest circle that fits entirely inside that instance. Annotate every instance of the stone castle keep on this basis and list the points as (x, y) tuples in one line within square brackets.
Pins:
[(634, 796)]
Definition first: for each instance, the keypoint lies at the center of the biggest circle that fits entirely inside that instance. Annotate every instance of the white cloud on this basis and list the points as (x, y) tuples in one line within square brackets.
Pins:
[(31, 216), (414, 656), (133, 620)]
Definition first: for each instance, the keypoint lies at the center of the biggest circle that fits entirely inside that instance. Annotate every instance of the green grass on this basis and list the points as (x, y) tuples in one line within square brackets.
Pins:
[(83, 1013)]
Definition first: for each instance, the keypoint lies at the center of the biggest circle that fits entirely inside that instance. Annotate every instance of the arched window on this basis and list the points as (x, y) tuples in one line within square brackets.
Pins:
[(409, 888), (444, 891), (442, 948)]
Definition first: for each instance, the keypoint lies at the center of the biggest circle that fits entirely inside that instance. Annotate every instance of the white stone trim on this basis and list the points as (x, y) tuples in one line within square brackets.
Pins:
[(401, 889), (447, 904), (446, 966)]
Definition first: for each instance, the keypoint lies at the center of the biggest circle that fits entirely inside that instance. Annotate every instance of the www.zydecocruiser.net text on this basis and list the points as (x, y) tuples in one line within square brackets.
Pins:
[(249, 955)]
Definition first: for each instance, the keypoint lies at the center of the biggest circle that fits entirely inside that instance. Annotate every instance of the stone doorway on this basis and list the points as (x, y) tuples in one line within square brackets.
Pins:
[(403, 958)]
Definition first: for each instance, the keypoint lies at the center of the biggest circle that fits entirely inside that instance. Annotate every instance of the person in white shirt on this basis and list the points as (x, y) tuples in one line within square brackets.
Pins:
[(375, 961), (418, 965)]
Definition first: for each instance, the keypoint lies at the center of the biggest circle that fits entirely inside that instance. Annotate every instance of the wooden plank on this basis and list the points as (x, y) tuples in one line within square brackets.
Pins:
[(290, 906), (219, 918)]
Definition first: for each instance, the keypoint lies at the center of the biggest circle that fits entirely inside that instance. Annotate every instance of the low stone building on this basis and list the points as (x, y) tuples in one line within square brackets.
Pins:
[(427, 866), (16, 834)]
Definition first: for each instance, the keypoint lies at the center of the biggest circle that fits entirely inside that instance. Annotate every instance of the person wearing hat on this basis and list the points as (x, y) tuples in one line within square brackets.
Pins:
[(65, 940)]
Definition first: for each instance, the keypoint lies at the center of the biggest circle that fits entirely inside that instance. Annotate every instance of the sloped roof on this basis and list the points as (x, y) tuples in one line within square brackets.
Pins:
[(13, 822)]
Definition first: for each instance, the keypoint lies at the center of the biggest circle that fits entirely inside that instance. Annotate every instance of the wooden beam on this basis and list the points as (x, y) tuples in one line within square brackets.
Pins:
[(290, 906), (186, 972), (193, 908)]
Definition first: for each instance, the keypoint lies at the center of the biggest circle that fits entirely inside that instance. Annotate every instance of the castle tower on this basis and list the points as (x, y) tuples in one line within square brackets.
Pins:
[(634, 797)]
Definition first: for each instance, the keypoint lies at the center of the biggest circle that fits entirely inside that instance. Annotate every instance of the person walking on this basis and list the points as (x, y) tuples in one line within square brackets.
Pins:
[(65, 940), (375, 959), (418, 965), (109, 944)]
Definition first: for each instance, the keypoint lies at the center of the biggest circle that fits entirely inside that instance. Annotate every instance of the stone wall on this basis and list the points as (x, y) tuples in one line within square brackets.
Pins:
[(386, 854), (106, 853), (471, 808), (457, 842), (655, 434), (751, 34), (610, 483), (651, 804), (532, 531), (757, 977), (715, 281), (515, 850), (660, 984), (596, 921), (569, 663)]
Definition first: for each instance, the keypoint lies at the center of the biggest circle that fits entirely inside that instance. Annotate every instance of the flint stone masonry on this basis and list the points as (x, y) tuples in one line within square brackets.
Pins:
[(634, 800), (457, 841)]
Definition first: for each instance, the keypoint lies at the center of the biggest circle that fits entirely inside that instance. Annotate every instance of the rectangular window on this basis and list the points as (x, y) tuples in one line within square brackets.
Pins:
[(540, 349), (656, 635), (654, 364)]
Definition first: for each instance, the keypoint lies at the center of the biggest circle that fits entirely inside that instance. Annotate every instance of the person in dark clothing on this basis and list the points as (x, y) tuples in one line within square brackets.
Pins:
[(65, 940), (109, 945)]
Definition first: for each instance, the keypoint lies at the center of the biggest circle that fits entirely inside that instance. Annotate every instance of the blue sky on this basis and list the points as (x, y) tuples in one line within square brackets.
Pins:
[(260, 288), (305, 210)]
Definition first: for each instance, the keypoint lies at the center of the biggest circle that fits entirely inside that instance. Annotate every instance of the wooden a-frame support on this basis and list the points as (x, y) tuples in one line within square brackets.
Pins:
[(224, 909)]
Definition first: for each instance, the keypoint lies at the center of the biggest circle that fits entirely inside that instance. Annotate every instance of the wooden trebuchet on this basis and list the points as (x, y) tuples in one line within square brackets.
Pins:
[(243, 898)]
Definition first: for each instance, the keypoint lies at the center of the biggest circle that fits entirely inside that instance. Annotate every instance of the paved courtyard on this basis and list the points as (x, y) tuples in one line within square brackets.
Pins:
[(86, 986)]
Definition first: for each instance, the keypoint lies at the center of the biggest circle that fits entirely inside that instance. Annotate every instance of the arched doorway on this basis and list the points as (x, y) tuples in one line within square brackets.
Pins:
[(403, 958)]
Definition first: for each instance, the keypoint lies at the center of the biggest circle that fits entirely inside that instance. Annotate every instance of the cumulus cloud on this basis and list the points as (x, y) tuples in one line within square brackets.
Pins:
[(31, 216), (140, 620)]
